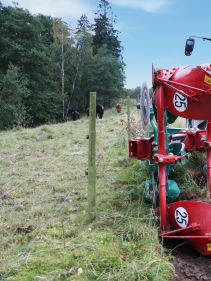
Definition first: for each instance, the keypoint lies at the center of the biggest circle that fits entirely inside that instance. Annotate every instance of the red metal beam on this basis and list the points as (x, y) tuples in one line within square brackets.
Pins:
[(161, 150), (208, 148)]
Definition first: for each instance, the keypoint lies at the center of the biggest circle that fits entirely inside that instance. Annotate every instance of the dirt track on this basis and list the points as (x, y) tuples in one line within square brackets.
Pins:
[(189, 265)]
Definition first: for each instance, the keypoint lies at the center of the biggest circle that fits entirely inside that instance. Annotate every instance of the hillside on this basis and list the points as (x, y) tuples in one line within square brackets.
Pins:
[(44, 232)]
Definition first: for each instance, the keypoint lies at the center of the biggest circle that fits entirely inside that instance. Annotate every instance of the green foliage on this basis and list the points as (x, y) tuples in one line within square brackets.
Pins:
[(196, 161), (13, 92), (105, 35), (57, 67), (25, 42), (191, 176), (134, 93), (107, 66)]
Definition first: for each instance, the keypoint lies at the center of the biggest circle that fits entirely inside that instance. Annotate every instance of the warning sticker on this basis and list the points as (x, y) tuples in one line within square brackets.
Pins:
[(207, 80), (209, 247)]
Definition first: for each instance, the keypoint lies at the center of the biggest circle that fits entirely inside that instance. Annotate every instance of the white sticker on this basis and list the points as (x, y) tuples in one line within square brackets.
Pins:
[(181, 217), (180, 102)]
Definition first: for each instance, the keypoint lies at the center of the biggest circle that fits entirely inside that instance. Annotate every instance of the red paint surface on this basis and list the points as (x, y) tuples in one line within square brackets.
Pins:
[(199, 213)]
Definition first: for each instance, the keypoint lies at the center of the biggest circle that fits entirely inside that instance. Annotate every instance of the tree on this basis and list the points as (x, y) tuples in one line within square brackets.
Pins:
[(107, 55), (61, 34), (84, 27), (105, 35), (105, 77), (55, 67), (13, 91), (84, 57), (135, 93), (25, 42)]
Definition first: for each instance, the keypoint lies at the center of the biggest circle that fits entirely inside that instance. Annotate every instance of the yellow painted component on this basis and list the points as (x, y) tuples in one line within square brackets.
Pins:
[(207, 80), (208, 246)]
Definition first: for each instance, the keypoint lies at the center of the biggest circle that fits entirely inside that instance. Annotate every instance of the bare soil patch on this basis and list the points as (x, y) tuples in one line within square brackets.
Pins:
[(189, 264)]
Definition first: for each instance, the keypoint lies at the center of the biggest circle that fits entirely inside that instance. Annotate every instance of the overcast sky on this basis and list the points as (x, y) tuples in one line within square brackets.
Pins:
[(152, 31)]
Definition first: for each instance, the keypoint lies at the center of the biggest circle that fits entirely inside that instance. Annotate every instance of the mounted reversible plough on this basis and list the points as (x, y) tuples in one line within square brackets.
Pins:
[(184, 92)]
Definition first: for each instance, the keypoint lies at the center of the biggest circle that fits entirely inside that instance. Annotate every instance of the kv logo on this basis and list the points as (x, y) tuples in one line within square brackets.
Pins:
[(181, 217)]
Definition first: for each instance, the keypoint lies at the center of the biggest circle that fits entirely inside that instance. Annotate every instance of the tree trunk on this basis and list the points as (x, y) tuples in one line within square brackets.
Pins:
[(62, 76)]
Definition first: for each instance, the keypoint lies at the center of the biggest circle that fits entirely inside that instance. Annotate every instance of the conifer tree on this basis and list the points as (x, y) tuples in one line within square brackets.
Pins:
[(105, 35)]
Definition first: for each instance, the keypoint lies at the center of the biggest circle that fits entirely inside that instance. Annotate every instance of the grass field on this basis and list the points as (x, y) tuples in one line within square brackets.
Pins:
[(44, 234)]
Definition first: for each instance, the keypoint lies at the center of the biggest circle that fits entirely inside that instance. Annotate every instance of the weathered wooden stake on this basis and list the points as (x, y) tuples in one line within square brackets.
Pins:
[(128, 116), (92, 157)]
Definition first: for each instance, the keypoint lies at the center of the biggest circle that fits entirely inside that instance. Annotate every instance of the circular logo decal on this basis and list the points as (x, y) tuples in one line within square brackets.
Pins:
[(180, 102), (181, 217)]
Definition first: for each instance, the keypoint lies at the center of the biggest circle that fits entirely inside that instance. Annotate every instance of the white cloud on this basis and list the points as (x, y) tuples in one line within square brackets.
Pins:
[(54, 8), (150, 6)]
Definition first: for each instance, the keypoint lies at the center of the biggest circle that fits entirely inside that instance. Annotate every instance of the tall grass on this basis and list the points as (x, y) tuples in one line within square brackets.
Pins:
[(43, 195)]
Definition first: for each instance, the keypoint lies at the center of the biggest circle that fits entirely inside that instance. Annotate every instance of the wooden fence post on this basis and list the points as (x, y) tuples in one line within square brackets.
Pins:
[(128, 116), (92, 158)]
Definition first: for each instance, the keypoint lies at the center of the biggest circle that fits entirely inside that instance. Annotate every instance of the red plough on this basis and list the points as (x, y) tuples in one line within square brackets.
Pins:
[(184, 92)]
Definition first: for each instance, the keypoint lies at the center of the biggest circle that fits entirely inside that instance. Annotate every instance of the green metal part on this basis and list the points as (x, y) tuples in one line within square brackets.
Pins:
[(205, 169), (152, 194), (154, 126), (172, 191), (177, 148)]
